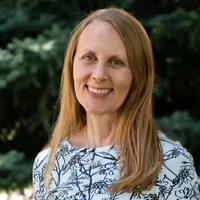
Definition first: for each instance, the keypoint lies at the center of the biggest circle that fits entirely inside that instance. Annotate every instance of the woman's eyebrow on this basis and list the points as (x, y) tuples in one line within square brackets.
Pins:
[(87, 51), (115, 55)]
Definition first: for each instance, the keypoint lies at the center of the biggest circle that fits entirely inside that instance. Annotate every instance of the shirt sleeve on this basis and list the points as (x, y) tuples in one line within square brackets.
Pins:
[(39, 167), (179, 178)]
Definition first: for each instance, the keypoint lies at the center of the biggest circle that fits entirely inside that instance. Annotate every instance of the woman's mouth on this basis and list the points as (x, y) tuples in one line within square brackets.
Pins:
[(99, 91)]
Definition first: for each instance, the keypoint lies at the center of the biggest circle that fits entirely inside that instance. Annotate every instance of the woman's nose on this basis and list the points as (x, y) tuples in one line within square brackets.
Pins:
[(100, 72)]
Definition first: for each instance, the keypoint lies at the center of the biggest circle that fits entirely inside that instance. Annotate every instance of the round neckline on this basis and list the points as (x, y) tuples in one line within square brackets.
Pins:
[(89, 148)]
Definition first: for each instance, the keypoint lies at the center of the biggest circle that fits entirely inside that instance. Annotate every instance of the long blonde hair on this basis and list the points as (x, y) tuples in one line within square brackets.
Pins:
[(140, 148)]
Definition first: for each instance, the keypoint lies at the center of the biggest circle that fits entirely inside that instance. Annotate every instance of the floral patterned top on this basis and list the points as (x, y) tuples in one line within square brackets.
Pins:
[(74, 178)]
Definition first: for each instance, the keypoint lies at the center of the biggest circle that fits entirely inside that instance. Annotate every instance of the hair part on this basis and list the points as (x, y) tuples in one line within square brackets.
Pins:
[(139, 149)]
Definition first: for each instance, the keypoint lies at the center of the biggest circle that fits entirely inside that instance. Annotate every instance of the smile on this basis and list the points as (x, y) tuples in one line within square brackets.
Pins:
[(99, 91)]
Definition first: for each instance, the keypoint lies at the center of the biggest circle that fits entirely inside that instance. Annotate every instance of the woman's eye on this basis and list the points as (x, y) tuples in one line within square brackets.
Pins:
[(90, 58), (117, 62)]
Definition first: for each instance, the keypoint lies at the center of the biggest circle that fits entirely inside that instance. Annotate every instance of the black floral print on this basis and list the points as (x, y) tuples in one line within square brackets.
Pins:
[(73, 178)]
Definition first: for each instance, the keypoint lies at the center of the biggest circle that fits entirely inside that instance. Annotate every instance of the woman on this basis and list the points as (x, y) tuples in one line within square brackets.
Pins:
[(105, 144)]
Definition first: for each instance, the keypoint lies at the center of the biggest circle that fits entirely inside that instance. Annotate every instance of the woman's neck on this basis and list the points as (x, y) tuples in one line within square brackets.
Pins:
[(99, 131)]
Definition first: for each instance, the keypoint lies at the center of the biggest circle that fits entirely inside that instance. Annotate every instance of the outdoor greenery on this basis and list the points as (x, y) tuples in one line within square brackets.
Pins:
[(33, 39)]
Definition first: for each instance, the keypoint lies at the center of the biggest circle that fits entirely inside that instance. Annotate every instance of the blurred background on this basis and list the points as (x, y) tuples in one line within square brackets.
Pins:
[(33, 39)]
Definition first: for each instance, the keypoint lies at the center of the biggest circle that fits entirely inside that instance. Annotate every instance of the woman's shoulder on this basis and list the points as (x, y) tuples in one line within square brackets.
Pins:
[(39, 168), (173, 150), (178, 177), (42, 157), (177, 160)]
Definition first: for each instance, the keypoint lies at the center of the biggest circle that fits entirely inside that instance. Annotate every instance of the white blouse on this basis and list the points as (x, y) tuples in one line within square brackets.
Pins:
[(84, 174)]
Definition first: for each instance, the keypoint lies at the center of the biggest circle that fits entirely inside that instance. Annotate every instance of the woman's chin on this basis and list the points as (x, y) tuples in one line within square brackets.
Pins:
[(97, 111)]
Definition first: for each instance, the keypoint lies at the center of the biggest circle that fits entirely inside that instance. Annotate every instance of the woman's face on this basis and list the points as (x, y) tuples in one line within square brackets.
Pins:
[(102, 77)]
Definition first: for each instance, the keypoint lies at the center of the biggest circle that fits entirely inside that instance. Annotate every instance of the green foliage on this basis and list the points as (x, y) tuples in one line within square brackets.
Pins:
[(31, 68), (176, 42), (8, 135), (20, 19), (180, 26), (181, 126), (15, 170)]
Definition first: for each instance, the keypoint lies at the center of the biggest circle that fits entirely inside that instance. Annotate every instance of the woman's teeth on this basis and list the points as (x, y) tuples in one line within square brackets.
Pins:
[(98, 91)]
